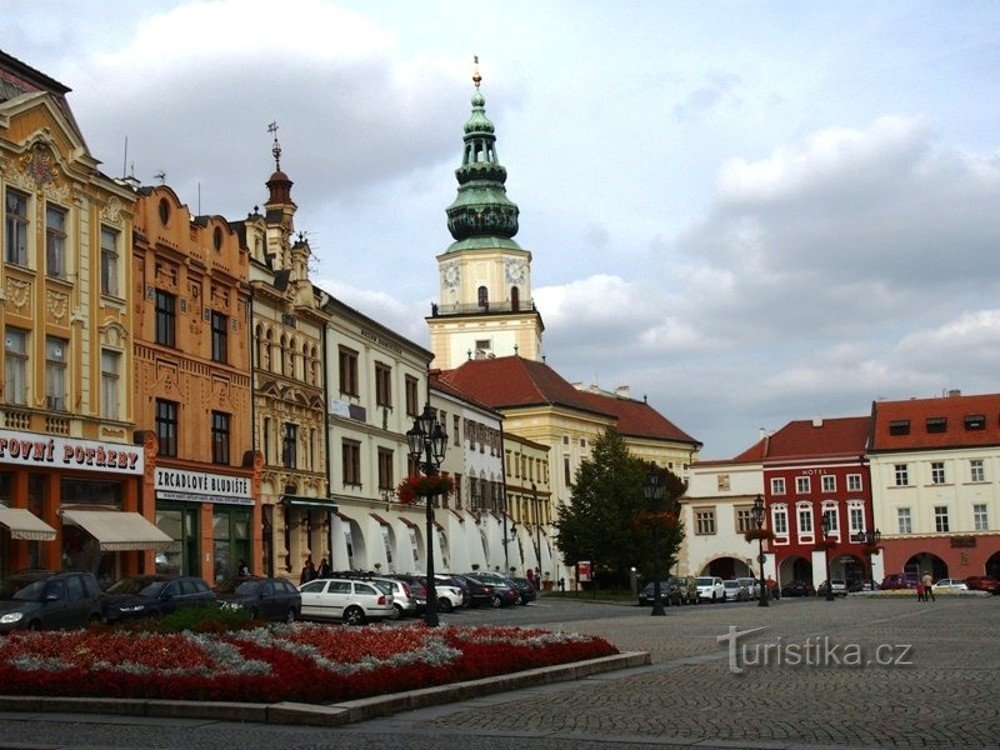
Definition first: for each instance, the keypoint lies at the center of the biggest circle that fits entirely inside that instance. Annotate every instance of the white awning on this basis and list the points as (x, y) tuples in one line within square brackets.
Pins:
[(118, 531), (24, 524)]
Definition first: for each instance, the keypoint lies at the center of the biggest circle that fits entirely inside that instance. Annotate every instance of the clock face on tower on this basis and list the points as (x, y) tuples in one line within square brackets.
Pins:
[(451, 273), (515, 270)]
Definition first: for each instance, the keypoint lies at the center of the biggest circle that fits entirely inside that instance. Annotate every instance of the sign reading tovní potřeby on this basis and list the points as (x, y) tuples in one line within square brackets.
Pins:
[(57, 452)]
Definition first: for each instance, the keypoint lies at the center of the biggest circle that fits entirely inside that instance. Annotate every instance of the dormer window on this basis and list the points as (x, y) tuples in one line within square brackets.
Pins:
[(899, 427), (937, 424), (484, 297), (975, 422)]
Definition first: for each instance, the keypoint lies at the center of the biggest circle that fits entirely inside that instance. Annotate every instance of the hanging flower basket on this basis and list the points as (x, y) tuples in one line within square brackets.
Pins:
[(871, 549), (826, 545), (414, 487), (664, 522), (754, 534)]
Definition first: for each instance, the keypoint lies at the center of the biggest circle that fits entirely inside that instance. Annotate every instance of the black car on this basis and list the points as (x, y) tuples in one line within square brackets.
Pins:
[(525, 589), (797, 588), (154, 595), (47, 600), (265, 598), (479, 593), (669, 594)]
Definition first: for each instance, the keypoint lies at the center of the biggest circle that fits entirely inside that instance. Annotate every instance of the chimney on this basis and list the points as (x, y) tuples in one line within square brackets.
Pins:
[(623, 391), (818, 421)]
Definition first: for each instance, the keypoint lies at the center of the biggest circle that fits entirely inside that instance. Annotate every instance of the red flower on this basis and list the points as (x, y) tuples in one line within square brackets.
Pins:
[(755, 534), (417, 486)]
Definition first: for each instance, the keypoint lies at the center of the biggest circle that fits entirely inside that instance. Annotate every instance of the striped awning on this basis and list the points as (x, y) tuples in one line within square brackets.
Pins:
[(118, 531), (24, 524)]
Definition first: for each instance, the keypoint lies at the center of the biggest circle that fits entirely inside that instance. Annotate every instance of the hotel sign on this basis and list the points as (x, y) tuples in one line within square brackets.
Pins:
[(201, 487), (44, 451)]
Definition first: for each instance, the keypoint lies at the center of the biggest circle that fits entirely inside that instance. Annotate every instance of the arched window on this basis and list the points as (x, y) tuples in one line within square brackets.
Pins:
[(484, 297), (314, 363), (515, 298), (281, 355), (268, 354)]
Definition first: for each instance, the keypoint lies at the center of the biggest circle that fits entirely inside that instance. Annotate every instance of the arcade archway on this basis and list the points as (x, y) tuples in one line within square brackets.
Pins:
[(927, 562)]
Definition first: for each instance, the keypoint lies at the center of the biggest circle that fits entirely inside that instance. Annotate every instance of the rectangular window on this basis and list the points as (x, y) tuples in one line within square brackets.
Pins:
[(936, 424), (902, 475), (413, 400), (899, 427), (383, 385), (854, 483), (975, 422), (457, 429), (802, 485), (805, 521), (385, 479), (780, 520), (979, 520), (166, 318), (778, 486), (220, 337), (16, 366), (567, 476), (937, 472), (348, 371), (220, 438), (977, 472), (267, 440), (829, 483), (109, 262), (941, 518), (744, 520), (289, 446), (831, 520), (350, 453), (704, 522), (904, 520), (166, 427), (16, 234), (55, 374), (110, 377), (55, 241), (857, 519)]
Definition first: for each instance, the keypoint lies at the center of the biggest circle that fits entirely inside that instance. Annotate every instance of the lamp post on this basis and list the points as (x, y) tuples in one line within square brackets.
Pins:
[(652, 488), (538, 530), (872, 538), (758, 519), (427, 442), (826, 555)]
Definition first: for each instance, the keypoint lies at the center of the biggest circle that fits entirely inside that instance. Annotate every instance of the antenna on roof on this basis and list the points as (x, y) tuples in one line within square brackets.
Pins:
[(161, 176), (125, 160)]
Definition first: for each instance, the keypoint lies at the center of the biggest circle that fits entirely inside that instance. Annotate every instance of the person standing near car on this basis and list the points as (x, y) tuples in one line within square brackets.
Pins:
[(324, 569), (928, 582)]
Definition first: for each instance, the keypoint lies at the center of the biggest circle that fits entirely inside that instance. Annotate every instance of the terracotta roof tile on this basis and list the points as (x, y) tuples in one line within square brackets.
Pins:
[(638, 418), (841, 436), (954, 410)]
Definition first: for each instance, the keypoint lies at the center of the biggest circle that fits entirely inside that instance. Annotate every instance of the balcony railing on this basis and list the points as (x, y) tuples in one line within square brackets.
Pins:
[(489, 308)]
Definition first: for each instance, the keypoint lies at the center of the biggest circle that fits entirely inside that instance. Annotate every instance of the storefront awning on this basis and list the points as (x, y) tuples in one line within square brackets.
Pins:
[(118, 531), (315, 503), (24, 524)]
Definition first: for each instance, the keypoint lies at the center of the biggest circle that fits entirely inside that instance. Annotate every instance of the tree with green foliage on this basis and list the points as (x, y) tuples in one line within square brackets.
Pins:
[(609, 521)]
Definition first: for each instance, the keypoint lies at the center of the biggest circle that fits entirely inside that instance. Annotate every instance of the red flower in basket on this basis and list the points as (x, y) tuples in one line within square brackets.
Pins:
[(871, 549), (417, 486), (755, 534)]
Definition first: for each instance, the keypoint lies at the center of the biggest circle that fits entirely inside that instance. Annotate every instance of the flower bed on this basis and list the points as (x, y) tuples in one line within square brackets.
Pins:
[(304, 662)]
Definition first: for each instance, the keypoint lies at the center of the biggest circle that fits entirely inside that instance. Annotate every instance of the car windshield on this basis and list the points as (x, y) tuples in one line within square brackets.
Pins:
[(138, 585), (248, 588), (384, 586), (705, 581), (731, 584)]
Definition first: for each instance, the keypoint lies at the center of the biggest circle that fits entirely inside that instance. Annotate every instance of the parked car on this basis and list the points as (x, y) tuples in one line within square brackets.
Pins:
[(458, 582), (710, 588), (797, 588), (953, 584), (409, 596), (154, 595), (355, 602), (267, 598), (838, 585), (735, 591), (983, 583), (48, 600), (477, 592), (859, 585), (450, 595), (752, 585), (504, 591), (526, 590), (647, 597), (900, 581), (687, 589)]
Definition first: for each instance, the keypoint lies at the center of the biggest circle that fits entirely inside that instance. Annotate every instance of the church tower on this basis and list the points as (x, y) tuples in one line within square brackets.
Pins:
[(485, 307)]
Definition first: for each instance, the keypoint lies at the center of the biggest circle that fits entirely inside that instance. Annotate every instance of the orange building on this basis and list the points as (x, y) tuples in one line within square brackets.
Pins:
[(193, 387), (69, 471)]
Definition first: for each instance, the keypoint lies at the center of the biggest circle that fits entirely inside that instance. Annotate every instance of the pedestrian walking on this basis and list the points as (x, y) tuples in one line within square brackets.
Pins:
[(324, 570), (920, 591), (308, 571), (928, 582)]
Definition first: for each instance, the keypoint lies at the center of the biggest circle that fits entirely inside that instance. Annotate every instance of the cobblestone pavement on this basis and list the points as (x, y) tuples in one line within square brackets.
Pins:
[(940, 688)]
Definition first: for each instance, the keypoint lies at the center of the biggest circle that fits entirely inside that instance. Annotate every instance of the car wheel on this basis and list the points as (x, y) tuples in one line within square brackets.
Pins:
[(496, 602), (397, 612), (445, 605), (290, 616), (354, 616)]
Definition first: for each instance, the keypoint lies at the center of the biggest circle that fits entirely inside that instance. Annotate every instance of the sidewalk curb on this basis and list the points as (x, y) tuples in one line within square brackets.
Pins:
[(288, 712)]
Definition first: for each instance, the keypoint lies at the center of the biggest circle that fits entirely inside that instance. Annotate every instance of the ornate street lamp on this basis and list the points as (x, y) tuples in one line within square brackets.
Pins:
[(758, 519), (826, 554), (652, 488), (872, 538), (427, 442)]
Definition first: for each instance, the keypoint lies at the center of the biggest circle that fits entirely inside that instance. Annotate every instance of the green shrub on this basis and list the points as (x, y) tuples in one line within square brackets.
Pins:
[(207, 619)]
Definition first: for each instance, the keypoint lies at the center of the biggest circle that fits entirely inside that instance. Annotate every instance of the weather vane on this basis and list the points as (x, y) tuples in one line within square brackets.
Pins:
[(276, 149), (476, 78)]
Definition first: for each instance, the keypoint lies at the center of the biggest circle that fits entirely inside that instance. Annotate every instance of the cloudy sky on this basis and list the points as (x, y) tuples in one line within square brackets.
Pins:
[(752, 212)]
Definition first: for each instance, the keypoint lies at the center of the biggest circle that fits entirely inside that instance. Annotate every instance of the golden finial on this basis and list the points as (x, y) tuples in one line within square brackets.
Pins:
[(476, 78)]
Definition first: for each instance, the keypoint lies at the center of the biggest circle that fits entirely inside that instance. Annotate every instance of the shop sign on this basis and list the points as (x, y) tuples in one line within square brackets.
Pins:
[(340, 408), (583, 571), (30, 449), (201, 487)]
